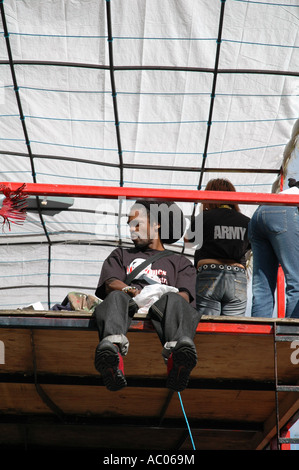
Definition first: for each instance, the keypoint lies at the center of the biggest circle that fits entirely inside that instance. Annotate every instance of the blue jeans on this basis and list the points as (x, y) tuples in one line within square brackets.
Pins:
[(274, 236), (221, 290)]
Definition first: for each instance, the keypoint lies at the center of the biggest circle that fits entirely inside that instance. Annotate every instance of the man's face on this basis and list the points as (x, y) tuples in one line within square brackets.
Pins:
[(141, 232)]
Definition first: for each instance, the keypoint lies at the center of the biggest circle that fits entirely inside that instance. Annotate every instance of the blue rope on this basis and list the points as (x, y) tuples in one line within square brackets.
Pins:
[(152, 93), (267, 3), (260, 43), (186, 420), (55, 35), (151, 122)]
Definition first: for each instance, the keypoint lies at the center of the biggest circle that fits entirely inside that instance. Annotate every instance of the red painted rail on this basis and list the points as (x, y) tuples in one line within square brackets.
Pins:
[(115, 192)]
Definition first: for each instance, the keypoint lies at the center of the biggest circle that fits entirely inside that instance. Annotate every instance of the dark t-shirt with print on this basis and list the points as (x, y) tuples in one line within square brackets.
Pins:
[(173, 270), (225, 235)]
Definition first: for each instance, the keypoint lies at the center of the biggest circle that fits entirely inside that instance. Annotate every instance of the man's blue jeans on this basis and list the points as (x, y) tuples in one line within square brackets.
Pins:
[(274, 237)]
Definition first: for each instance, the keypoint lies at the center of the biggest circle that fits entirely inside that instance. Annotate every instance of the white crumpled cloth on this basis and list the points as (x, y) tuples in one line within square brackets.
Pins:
[(150, 294)]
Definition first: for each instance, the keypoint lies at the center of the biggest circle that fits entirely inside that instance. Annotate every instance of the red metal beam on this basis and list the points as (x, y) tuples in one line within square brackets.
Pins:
[(234, 328), (111, 192), (249, 328)]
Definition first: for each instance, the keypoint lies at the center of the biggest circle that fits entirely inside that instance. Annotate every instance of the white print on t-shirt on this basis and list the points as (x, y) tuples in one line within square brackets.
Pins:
[(229, 233), (153, 275)]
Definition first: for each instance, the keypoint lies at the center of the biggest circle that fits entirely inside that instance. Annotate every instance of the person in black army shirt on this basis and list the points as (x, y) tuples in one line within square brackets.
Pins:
[(173, 315), (221, 284)]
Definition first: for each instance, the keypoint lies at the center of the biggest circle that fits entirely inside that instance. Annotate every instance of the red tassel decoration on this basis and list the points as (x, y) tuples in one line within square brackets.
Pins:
[(14, 206)]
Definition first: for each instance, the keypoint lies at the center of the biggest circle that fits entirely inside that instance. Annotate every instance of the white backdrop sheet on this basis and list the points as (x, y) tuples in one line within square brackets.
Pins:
[(201, 87)]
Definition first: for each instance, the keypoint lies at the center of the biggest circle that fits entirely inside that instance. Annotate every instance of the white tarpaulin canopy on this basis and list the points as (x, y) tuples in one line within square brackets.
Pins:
[(134, 93)]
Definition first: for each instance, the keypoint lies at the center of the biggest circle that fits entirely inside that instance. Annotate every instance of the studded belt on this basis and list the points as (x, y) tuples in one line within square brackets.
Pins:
[(221, 267)]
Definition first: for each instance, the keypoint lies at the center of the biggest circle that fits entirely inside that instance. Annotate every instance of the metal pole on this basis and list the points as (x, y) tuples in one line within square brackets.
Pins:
[(116, 192)]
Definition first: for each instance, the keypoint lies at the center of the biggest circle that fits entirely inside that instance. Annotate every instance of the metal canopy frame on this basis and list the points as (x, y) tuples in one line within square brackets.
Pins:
[(115, 192), (201, 168)]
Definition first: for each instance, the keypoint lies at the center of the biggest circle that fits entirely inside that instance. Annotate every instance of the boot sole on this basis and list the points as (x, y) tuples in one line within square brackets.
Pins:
[(107, 362), (184, 360)]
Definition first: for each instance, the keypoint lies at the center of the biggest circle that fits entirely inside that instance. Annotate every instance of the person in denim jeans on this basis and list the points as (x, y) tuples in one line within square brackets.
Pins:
[(221, 282), (274, 236)]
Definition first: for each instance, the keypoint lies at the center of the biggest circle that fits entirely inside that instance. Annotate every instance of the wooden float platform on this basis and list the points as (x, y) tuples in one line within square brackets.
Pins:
[(53, 398)]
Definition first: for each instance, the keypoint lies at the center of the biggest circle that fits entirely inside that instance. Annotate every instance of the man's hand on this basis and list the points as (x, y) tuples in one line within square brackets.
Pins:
[(132, 291), (115, 284)]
